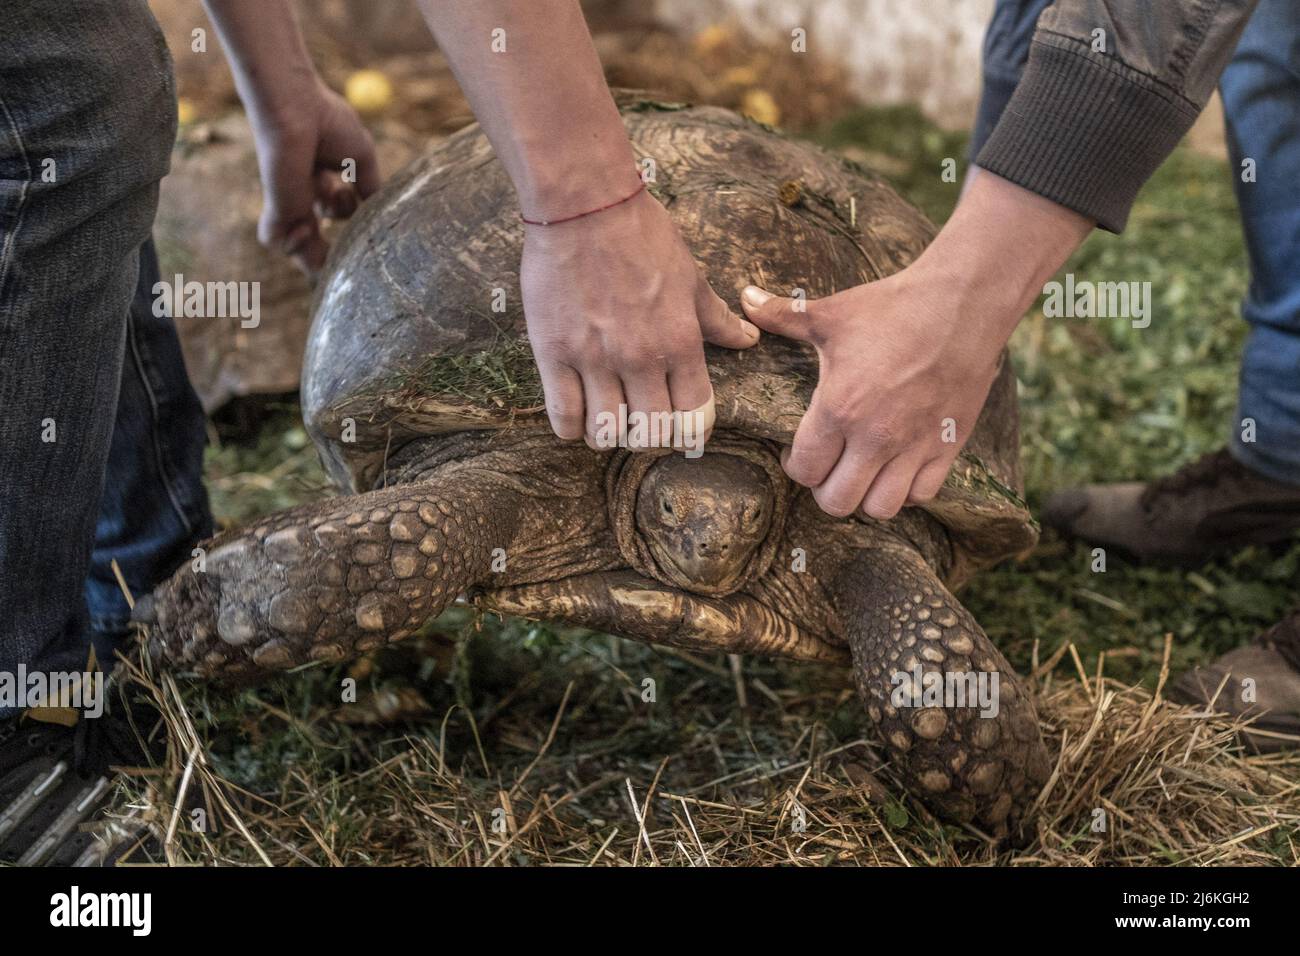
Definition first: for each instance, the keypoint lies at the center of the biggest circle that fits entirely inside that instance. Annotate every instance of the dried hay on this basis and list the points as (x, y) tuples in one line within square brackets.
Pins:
[(1137, 781)]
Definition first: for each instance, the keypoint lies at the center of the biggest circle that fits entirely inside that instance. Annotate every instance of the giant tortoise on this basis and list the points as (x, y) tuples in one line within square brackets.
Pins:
[(426, 408)]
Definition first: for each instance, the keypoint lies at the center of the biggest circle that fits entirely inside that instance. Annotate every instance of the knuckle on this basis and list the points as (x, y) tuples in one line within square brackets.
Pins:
[(799, 472), (553, 361), (683, 354), (638, 357), (881, 511), (565, 419), (839, 415), (836, 417), (834, 504), (881, 435), (923, 493), (549, 347), (620, 357)]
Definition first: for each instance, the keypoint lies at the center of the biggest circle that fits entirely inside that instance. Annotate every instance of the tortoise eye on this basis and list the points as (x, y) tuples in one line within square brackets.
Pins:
[(666, 508)]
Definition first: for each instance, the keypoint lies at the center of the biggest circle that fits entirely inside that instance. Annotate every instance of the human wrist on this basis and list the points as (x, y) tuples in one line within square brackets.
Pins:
[(274, 74), (287, 100), (1000, 246), (557, 184)]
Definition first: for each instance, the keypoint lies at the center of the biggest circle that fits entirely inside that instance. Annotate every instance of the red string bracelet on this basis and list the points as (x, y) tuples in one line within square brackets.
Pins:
[(589, 212)]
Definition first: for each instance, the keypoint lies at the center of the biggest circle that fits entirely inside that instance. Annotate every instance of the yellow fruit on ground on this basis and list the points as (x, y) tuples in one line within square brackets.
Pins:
[(740, 76), (369, 91), (711, 38), (758, 105), (185, 111)]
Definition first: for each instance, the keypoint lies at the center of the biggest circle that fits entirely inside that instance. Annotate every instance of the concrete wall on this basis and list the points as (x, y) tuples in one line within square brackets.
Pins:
[(922, 51)]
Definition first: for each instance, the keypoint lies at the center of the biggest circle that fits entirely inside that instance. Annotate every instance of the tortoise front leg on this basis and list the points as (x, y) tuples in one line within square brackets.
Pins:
[(322, 582), (978, 763)]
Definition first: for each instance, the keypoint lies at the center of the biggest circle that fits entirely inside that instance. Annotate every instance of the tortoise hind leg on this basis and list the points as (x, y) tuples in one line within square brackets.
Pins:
[(327, 580), (969, 759)]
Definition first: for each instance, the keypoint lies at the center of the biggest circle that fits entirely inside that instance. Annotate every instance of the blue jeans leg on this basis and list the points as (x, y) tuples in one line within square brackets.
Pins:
[(1261, 99), (87, 122), (154, 508)]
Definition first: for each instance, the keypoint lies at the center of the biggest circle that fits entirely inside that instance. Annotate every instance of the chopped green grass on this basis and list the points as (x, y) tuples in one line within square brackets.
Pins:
[(504, 375), (276, 469)]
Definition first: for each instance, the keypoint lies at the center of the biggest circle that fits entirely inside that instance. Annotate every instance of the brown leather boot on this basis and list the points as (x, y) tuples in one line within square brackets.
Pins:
[(1213, 504), (1272, 663)]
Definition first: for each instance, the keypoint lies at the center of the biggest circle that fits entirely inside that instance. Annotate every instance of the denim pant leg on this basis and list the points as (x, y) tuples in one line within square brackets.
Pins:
[(1006, 51), (1261, 100), (87, 120), (154, 507)]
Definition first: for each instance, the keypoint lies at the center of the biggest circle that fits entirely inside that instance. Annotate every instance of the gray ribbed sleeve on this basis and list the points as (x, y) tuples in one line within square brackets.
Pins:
[(1084, 130)]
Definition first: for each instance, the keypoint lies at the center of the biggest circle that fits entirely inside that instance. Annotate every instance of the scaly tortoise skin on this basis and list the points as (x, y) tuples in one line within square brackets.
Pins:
[(426, 409)]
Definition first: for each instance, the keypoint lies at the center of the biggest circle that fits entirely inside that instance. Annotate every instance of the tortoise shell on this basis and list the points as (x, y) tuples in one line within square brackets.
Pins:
[(419, 329)]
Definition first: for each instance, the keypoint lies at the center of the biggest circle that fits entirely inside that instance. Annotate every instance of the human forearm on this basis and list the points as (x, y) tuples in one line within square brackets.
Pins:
[(617, 308), (1002, 243), (273, 71), (542, 100)]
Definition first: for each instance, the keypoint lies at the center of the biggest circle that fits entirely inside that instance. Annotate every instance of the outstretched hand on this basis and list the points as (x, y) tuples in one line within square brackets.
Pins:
[(907, 362), (901, 384)]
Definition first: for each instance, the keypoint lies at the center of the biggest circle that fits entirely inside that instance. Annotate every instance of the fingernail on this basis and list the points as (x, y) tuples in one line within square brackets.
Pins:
[(749, 328), (754, 296)]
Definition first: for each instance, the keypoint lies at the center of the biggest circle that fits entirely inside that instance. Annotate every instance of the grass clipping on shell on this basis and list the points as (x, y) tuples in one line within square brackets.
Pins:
[(504, 375)]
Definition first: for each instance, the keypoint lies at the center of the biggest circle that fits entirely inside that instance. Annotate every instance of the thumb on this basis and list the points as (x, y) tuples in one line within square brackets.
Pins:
[(776, 314)]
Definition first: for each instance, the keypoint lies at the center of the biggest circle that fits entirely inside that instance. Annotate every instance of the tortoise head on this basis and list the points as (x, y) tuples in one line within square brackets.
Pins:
[(705, 517), (709, 524)]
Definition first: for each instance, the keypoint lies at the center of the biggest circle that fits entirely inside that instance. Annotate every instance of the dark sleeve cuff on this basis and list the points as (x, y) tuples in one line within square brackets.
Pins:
[(1085, 131)]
